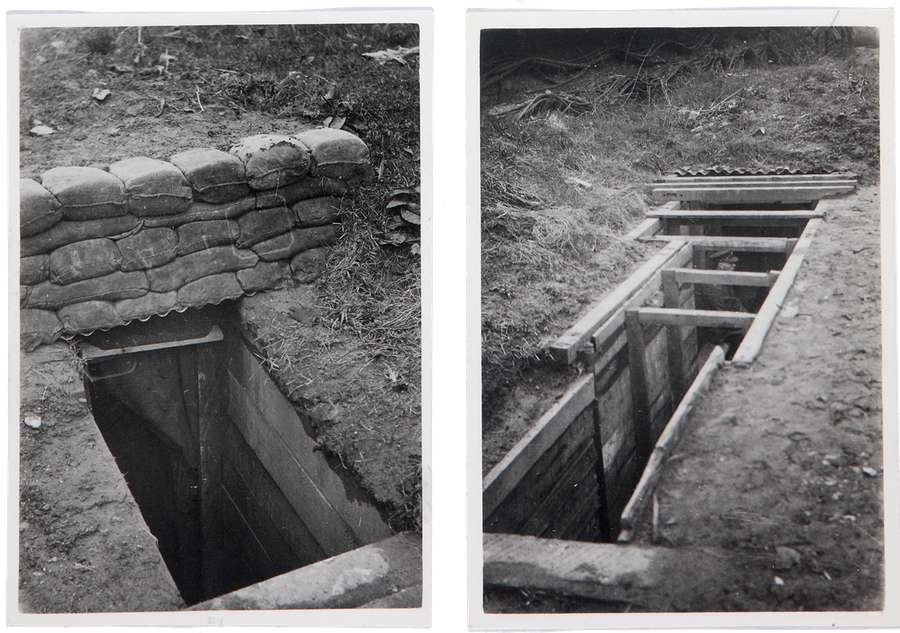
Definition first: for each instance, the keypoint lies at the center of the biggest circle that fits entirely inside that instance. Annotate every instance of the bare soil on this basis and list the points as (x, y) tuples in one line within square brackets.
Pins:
[(782, 465)]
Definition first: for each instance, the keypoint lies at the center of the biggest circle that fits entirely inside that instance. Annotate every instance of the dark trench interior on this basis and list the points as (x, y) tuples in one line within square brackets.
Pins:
[(220, 520)]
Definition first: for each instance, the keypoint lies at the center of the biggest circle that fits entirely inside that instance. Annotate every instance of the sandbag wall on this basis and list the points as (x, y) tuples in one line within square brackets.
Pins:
[(103, 246)]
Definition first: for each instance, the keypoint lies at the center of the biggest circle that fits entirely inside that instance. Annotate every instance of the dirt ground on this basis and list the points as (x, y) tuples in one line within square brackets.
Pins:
[(182, 87), (560, 189), (781, 467)]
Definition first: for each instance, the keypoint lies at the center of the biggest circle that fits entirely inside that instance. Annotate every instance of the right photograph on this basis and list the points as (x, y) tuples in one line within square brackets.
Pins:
[(681, 320)]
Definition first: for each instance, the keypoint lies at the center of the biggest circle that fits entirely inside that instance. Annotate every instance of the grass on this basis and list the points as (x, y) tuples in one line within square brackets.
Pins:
[(551, 247)]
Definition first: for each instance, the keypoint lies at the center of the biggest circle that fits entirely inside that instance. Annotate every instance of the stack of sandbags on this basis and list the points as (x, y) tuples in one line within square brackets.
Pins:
[(102, 247)]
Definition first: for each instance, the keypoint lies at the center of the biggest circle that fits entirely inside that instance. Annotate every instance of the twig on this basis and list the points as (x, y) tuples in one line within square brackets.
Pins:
[(197, 92)]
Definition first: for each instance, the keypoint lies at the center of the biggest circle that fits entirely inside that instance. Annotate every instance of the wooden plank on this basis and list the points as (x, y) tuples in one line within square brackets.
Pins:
[(762, 177), (753, 341), (565, 348), (742, 215), (725, 182), (507, 473), (638, 373), (91, 352), (672, 299), (740, 244), (649, 226), (696, 318), (669, 439), (744, 195), (721, 277)]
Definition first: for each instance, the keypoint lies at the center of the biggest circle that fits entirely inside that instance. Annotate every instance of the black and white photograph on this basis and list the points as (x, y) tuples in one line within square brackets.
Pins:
[(220, 235), (682, 405)]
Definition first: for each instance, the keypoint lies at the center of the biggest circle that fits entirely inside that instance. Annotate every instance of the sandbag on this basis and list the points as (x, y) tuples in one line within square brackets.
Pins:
[(187, 268), (264, 275), (117, 285), (272, 160), (37, 327), (317, 211), (69, 232), (215, 176), (289, 244), (86, 193), (198, 236), (307, 266), (153, 187), (203, 211), (308, 187), (210, 289), (38, 208), (34, 270), (257, 226), (84, 260), (148, 248), (89, 316), (337, 154), (150, 304)]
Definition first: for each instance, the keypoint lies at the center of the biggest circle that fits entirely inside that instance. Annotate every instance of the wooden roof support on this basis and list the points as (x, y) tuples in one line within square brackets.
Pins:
[(721, 277), (748, 195), (749, 216), (742, 244), (761, 177), (693, 318), (723, 182)]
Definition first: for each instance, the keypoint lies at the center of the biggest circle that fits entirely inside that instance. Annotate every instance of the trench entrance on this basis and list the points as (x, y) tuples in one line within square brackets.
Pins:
[(732, 246), (223, 468)]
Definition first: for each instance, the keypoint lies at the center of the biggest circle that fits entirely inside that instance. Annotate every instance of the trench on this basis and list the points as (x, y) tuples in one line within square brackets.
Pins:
[(583, 470), (226, 471)]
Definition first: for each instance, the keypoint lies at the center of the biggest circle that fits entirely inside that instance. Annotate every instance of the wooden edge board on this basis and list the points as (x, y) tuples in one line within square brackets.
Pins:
[(507, 473), (753, 341), (693, 318), (668, 439), (721, 277), (730, 182), (565, 348), (737, 214), (761, 177), (92, 352), (649, 226), (744, 244), (748, 196)]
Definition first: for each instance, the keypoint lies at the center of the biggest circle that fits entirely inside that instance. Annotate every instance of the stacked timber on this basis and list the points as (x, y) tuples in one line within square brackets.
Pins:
[(102, 247)]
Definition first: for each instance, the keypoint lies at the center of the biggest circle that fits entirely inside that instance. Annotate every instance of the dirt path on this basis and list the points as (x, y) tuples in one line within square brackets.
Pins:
[(782, 464)]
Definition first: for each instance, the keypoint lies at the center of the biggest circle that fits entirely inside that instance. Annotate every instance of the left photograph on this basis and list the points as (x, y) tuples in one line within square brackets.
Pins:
[(220, 318)]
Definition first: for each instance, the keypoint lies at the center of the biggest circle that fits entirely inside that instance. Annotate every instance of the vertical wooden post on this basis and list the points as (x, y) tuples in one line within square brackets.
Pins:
[(637, 369), (604, 506), (672, 299), (211, 403)]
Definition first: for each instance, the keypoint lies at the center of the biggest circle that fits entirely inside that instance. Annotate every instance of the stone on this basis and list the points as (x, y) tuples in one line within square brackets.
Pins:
[(84, 260)]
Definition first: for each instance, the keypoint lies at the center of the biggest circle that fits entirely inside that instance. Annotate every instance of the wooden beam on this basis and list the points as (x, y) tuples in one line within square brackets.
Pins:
[(761, 177), (748, 216), (742, 244), (696, 318), (744, 195), (753, 341), (91, 352), (721, 277), (672, 299), (504, 476), (650, 226), (668, 440), (565, 348), (723, 182), (637, 370)]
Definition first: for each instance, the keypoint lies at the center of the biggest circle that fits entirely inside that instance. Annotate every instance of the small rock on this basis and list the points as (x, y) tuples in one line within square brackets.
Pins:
[(868, 470), (100, 94), (786, 557), (778, 581), (41, 130), (32, 421)]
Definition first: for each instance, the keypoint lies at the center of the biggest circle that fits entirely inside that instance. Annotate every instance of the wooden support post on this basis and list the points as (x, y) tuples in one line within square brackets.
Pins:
[(637, 365), (672, 299), (604, 520)]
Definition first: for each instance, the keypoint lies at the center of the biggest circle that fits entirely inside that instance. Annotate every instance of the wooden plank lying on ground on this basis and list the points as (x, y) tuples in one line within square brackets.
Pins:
[(565, 348), (695, 318), (504, 476), (756, 335), (749, 216), (668, 440), (744, 195), (645, 576), (742, 244), (722, 277), (762, 177), (723, 182)]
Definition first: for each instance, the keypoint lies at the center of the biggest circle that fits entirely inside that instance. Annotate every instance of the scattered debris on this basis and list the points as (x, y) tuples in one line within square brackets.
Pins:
[(578, 182), (398, 54), (547, 101), (403, 225), (869, 471), (41, 130), (100, 94), (32, 421)]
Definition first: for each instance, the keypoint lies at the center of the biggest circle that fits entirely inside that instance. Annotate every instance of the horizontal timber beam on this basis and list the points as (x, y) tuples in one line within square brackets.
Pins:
[(747, 195), (743, 244), (722, 182), (694, 318), (721, 277), (740, 214), (761, 177)]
